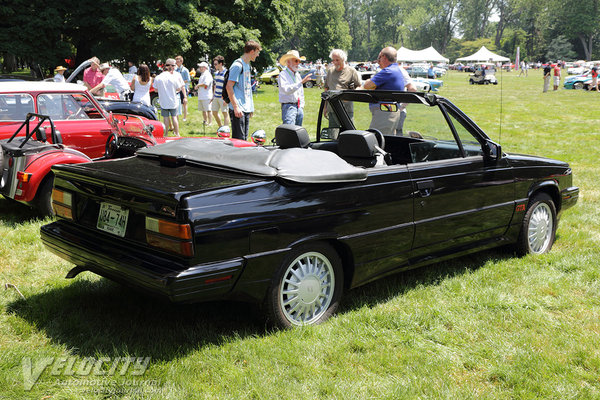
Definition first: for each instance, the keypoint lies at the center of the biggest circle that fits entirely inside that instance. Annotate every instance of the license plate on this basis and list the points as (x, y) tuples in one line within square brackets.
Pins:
[(112, 219)]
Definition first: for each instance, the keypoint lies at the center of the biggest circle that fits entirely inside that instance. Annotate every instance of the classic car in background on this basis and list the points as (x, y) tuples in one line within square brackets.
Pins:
[(82, 125), (111, 101), (416, 71), (582, 81), (433, 84), (292, 226), (270, 76)]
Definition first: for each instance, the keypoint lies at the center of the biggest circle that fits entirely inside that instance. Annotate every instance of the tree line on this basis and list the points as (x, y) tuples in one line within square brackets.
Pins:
[(34, 32)]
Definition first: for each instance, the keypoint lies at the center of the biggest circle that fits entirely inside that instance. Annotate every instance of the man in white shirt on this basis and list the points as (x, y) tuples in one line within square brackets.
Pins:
[(168, 84), (291, 89), (132, 68), (205, 92), (112, 76)]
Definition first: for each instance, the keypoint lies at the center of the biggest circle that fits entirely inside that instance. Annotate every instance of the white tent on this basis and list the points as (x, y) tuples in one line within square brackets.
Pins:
[(483, 54), (428, 54)]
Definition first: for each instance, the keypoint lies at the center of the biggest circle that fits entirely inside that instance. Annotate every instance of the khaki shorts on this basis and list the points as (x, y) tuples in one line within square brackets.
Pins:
[(203, 105), (218, 105)]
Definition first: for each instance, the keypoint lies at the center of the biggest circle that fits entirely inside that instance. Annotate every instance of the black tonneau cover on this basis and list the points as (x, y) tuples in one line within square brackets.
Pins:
[(296, 164)]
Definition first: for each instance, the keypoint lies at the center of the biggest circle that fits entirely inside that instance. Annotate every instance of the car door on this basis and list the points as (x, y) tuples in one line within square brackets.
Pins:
[(81, 125), (461, 198), (381, 232)]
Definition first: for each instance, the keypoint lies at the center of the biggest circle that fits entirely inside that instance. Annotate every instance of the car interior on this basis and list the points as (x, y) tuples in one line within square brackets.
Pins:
[(417, 133)]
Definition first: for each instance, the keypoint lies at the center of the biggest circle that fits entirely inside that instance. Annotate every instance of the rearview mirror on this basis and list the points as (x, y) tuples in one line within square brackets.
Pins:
[(388, 107)]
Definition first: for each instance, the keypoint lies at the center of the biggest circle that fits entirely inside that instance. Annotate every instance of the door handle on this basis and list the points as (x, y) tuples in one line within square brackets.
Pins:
[(425, 188)]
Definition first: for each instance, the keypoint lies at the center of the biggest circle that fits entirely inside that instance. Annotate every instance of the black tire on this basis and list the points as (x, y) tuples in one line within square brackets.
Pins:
[(539, 226), (309, 84), (578, 85), (471, 81), (43, 197), (306, 288)]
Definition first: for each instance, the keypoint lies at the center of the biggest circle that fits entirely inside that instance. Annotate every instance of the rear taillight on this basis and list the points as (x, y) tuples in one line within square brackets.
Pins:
[(169, 236), (62, 203), (23, 176)]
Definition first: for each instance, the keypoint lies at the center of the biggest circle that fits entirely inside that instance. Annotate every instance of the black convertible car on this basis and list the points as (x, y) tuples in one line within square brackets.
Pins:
[(403, 180)]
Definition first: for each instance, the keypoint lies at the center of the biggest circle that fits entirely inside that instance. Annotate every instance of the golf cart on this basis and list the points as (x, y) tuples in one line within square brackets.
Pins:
[(484, 74)]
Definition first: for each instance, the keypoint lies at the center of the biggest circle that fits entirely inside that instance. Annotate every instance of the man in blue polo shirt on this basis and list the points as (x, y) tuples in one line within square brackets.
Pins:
[(389, 78)]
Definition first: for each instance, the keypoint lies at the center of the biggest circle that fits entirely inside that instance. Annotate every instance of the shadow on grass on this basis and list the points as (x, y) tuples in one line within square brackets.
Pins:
[(13, 213), (92, 317)]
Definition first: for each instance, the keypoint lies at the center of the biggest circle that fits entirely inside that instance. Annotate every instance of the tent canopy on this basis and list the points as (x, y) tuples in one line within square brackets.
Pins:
[(428, 54), (483, 54)]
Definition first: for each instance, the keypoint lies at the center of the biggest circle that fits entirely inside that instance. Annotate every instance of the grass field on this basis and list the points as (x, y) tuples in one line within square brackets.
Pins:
[(487, 326)]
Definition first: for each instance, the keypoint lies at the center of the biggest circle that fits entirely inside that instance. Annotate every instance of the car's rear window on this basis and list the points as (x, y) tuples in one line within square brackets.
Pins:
[(15, 106)]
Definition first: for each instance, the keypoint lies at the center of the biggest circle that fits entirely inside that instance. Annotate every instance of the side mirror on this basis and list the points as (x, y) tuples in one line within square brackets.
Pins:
[(492, 151), (329, 133), (259, 137)]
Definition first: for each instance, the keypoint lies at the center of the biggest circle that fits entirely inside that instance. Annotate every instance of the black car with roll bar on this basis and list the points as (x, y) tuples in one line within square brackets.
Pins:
[(403, 180)]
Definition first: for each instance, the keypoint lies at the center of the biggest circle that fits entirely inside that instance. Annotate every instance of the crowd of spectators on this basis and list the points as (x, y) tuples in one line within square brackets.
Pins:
[(225, 94)]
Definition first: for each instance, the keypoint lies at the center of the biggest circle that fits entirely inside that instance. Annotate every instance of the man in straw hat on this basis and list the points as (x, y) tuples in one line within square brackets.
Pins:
[(60, 74), (291, 88)]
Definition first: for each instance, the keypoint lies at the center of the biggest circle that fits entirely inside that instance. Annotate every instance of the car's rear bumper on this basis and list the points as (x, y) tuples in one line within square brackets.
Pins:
[(133, 266)]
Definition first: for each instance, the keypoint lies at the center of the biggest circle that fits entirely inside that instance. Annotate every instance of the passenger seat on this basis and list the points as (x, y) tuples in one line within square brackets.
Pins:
[(358, 148)]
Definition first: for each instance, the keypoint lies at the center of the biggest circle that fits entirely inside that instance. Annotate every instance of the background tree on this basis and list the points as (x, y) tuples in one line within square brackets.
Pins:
[(323, 28)]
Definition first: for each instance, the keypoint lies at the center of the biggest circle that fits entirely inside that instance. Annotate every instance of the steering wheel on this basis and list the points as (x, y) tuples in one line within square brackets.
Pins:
[(379, 136), (111, 147), (77, 114)]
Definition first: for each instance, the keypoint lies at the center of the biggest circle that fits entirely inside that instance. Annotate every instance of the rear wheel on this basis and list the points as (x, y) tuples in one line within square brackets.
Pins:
[(307, 287), (539, 226), (43, 197), (309, 84)]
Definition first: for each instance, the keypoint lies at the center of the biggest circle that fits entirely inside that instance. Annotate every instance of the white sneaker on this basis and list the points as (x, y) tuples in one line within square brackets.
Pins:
[(184, 120)]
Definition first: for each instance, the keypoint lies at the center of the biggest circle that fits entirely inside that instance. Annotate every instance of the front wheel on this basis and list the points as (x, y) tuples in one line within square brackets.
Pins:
[(307, 287), (539, 226), (578, 85), (309, 84)]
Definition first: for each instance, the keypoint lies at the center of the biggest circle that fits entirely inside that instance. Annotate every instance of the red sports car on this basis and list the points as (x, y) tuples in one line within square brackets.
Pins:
[(66, 125)]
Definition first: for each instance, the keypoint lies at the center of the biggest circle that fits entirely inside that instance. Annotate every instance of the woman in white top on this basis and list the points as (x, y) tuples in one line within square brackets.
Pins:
[(141, 84)]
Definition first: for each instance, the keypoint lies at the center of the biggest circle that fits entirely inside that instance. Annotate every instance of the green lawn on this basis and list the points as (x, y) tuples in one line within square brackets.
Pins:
[(488, 325)]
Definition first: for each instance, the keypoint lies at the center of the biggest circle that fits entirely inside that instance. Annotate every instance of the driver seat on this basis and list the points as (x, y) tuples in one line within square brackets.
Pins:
[(358, 148)]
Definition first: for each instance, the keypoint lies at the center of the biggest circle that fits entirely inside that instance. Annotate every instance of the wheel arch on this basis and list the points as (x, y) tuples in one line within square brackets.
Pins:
[(341, 248), (40, 168), (551, 189)]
